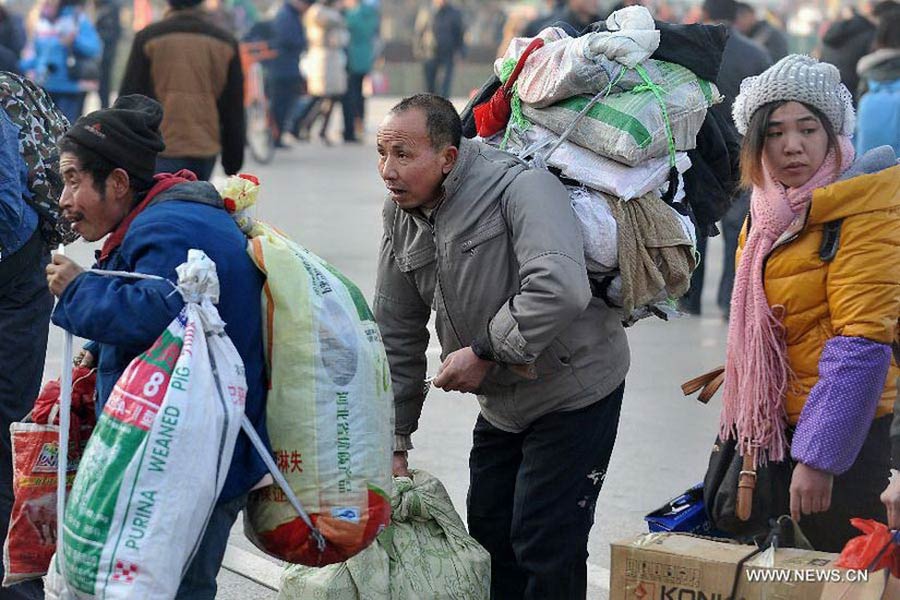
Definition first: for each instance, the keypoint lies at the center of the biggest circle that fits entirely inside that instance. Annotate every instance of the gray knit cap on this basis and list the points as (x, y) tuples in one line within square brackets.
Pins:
[(797, 78)]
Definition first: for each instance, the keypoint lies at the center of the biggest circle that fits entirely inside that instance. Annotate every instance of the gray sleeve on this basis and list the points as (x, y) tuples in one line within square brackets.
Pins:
[(402, 318), (554, 288)]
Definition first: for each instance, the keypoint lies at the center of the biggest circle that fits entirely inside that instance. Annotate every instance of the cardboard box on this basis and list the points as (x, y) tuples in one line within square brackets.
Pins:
[(674, 566)]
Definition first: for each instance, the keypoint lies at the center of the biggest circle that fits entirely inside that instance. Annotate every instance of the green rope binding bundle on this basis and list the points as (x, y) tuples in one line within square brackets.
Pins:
[(518, 118), (658, 92), (515, 104)]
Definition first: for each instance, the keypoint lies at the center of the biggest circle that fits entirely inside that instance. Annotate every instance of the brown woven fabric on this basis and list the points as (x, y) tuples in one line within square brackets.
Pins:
[(655, 253)]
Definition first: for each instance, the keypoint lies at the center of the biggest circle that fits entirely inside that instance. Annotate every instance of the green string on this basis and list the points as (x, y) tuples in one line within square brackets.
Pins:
[(658, 92), (523, 124), (515, 104), (507, 68)]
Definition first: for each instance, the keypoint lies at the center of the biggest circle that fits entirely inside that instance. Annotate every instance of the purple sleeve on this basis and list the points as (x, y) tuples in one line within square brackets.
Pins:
[(841, 406)]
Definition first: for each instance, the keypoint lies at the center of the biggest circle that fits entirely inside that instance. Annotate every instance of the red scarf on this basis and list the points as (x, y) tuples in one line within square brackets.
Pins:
[(164, 181)]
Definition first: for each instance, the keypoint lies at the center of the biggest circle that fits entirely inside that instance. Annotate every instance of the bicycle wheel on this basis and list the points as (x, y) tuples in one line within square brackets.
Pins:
[(259, 133)]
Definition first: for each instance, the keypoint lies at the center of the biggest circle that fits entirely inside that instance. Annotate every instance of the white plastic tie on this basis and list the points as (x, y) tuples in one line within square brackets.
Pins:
[(197, 278)]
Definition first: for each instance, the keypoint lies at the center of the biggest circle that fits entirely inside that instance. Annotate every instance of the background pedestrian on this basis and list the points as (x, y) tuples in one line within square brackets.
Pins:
[(63, 55), (362, 21), (439, 40)]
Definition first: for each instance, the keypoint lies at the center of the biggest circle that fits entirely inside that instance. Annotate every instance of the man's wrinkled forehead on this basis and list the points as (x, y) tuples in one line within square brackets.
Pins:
[(68, 162), (406, 128)]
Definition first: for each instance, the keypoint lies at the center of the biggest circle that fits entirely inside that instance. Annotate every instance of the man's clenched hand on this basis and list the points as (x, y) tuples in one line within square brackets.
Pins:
[(462, 372), (60, 273)]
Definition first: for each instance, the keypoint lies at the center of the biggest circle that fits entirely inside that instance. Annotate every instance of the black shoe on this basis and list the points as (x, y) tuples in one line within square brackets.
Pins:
[(352, 140)]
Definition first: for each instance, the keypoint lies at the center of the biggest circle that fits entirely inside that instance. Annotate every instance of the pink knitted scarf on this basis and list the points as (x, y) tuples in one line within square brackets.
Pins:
[(756, 369)]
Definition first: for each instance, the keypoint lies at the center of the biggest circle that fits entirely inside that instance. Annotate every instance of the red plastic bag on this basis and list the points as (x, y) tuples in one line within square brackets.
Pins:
[(874, 551), (31, 539)]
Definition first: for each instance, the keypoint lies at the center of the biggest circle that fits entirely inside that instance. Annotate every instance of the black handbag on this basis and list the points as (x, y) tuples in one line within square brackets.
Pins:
[(83, 68), (741, 499)]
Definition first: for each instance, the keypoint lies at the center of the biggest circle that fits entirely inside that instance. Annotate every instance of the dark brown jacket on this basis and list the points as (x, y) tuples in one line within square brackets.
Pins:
[(193, 68)]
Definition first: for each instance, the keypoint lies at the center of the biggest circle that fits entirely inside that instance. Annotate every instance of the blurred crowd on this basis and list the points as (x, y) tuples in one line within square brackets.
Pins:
[(323, 53), (69, 48)]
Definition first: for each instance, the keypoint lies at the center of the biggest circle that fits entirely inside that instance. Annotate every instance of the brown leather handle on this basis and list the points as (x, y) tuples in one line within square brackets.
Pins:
[(746, 485), (709, 383), (711, 388)]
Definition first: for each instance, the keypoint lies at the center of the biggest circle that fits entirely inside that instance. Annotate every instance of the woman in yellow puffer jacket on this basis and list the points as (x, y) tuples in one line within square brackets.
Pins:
[(809, 372)]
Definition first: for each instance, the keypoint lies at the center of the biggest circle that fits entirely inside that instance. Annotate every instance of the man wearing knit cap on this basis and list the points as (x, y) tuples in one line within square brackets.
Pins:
[(107, 161), (193, 68)]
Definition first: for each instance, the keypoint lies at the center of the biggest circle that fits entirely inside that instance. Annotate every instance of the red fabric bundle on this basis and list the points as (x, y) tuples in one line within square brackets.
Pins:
[(46, 407), (492, 116)]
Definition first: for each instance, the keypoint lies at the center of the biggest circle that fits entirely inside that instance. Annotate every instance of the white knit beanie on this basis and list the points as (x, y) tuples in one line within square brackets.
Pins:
[(797, 78)]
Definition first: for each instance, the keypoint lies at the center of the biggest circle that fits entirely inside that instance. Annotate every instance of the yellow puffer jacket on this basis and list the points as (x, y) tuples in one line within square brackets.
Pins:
[(857, 294)]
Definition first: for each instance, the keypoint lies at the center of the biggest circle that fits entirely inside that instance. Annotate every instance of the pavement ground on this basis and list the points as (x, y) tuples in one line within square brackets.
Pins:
[(329, 199)]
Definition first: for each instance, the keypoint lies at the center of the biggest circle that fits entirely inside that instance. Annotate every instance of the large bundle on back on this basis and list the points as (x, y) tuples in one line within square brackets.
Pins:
[(616, 126), (329, 408)]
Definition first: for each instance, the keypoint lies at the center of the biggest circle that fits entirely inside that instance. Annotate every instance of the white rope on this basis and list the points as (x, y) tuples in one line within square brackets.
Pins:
[(247, 426), (62, 455), (541, 160), (129, 275), (62, 461)]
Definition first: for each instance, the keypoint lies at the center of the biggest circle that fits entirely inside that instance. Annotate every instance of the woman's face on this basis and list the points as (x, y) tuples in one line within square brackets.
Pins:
[(796, 144), (50, 8)]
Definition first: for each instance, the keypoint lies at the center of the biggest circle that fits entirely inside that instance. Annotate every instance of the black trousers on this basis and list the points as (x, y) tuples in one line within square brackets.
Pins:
[(691, 302), (532, 497), (283, 95), (731, 231), (25, 305), (445, 64), (318, 108), (202, 167), (107, 62), (856, 493), (353, 105)]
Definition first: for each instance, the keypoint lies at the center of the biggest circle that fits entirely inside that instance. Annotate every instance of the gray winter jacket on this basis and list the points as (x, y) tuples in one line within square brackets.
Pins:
[(501, 260)]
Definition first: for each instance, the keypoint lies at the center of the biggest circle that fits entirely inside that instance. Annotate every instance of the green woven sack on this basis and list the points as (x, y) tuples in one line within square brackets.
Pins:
[(363, 577), (425, 554)]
